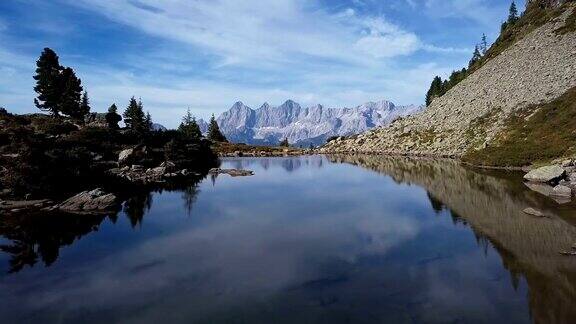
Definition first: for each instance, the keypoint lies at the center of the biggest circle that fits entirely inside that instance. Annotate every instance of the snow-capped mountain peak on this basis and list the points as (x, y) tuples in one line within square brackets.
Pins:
[(268, 125)]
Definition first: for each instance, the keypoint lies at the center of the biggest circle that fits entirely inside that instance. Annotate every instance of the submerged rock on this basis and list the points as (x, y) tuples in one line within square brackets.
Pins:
[(18, 205), (232, 172), (561, 191), (94, 201), (533, 212), (546, 174), (541, 188)]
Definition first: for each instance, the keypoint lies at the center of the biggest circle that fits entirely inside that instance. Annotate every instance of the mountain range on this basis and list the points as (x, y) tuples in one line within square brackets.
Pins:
[(268, 125)]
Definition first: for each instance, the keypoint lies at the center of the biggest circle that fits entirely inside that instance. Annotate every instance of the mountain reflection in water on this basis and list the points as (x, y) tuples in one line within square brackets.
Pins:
[(333, 239)]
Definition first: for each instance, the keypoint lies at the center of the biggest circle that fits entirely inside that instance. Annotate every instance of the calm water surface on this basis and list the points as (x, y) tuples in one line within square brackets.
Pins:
[(337, 239)]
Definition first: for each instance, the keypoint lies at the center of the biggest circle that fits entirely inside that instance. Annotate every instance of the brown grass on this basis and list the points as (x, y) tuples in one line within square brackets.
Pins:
[(536, 134)]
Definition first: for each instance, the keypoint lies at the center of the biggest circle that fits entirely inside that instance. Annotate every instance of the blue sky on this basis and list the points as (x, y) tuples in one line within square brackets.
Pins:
[(207, 54)]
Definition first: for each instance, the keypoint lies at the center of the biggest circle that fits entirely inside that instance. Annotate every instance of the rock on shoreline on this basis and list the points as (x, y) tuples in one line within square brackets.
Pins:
[(232, 172), (554, 181), (93, 201)]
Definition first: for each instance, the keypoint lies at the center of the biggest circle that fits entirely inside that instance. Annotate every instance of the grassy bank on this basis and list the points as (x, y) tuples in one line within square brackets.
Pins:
[(536, 134)]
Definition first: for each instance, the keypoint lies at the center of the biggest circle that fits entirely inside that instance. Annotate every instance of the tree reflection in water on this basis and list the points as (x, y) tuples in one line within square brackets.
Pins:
[(28, 239)]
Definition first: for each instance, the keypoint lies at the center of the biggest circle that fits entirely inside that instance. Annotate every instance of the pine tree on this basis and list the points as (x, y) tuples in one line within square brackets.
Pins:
[(484, 44), (513, 15), (134, 116), (189, 127), (148, 121), (47, 78), (84, 107), (71, 94), (475, 57), (434, 91), (112, 117), (284, 143), (214, 133)]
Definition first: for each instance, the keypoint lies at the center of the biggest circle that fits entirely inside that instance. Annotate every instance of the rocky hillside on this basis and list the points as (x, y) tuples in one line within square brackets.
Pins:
[(268, 125), (532, 68)]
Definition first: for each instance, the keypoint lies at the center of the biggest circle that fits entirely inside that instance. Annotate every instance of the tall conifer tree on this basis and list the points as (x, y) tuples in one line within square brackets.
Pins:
[(134, 116), (47, 78), (112, 117), (189, 127), (513, 14), (484, 44), (71, 94), (214, 133)]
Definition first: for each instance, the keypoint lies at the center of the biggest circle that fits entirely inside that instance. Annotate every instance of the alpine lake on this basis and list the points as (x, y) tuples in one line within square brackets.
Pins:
[(310, 239)]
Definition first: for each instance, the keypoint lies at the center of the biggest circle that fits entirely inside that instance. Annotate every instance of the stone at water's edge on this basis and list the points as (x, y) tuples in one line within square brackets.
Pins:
[(232, 172), (93, 201), (562, 191), (546, 174)]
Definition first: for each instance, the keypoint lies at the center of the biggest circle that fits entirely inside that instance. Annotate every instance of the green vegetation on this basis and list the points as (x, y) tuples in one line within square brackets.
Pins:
[(570, 26), (538, 133), (214, 133), (189, 127), (112, 117), (476, 132), (284, 143), (56, 155), (134, 117), (59, 90), (422, 137)]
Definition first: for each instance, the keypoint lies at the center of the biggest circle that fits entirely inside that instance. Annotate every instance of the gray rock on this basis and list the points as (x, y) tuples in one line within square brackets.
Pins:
[(546, 174), (541, 188), (158, 170), (170, 166), (94, 201), (533, 212), (561, 191), (567, 163), (125, 156), (232, 172)]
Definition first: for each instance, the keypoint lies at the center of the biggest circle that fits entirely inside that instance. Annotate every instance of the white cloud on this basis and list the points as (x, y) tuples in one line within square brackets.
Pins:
[(252, 51), (255, 32), (385, 40)]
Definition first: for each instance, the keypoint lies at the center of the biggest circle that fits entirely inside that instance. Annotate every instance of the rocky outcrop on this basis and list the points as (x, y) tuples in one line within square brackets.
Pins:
[(537, 69), (94, 201)]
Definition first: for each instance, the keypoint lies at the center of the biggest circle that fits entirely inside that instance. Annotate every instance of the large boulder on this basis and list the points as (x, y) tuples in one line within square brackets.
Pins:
[(125, 156), (94, 201), (548, 174)]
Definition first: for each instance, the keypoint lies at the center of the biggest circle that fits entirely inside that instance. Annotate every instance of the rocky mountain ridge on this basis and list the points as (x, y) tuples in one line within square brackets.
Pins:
[(537, 69), (268, 125)]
